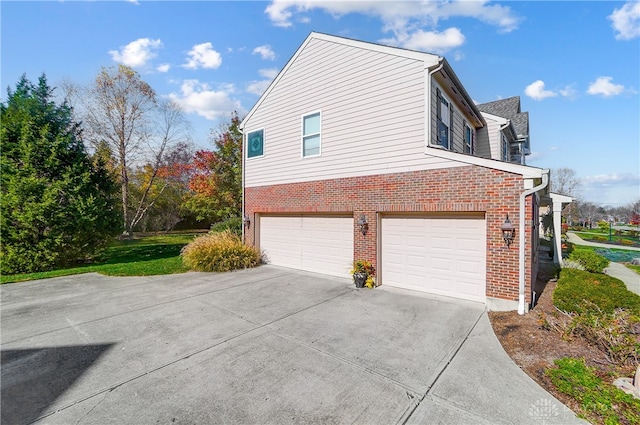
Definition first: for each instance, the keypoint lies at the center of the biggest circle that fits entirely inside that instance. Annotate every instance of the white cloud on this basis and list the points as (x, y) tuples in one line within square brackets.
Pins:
[(203, 56), (568, 91), (603, 86), (265, 52), (609, 180), (626, 21), (458, 56), (268, 73), (412, 24), (165, 67), (258, 87), (613, 189), (199, 98), (536, 91), (137, 53), (430, 41)]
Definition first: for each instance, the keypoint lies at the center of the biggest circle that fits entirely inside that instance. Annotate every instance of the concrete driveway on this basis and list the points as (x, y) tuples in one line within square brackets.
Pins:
[(261, 346)]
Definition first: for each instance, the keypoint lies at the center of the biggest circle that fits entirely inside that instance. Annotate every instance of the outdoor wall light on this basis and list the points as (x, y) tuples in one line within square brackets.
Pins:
[(364, 226), (247, 221), (508, 231)]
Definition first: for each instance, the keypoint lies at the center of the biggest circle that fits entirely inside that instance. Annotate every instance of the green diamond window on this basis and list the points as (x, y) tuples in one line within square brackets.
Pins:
[(255, 143)]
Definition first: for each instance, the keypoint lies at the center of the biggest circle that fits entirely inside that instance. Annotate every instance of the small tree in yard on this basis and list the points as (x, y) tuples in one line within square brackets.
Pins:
[(217, 176), (56, 203)]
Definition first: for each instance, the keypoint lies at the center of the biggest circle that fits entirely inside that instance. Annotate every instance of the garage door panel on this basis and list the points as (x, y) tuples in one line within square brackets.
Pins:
[(445, 256), (466, 266), (317, 244)]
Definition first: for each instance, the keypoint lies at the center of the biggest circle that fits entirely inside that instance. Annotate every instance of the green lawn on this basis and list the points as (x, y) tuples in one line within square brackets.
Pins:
[(599, 235), (145, 256)]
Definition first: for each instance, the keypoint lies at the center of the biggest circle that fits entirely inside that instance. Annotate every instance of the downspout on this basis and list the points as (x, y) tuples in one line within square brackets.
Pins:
[(428, 100), (522, 235)]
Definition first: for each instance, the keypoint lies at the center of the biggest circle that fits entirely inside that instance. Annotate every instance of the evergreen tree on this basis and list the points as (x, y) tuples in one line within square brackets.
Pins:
[(56, 204)]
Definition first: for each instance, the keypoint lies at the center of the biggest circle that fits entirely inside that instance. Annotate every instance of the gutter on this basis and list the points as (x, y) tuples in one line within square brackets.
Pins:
[(521, 230)]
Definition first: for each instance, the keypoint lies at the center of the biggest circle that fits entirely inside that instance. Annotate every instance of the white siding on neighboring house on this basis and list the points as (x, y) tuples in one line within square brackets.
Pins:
[(372, 107), (489, 140)]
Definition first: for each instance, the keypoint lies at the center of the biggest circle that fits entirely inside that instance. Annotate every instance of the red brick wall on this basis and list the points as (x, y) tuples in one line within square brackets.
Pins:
[(463, 189)]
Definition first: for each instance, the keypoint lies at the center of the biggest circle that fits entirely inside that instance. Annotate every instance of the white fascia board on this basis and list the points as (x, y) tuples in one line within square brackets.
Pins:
[(556, 197), (524, 170), (429, 60)]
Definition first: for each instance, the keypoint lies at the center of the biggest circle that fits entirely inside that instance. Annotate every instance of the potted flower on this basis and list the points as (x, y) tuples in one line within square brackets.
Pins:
[(363, 272)]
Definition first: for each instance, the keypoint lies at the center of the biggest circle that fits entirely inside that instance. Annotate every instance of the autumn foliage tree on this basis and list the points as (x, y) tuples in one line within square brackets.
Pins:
[(216, 181)]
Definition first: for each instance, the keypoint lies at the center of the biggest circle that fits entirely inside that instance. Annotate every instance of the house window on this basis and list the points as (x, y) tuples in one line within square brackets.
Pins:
[(444, 118), (505, 149), (255, 143), (468, 139), (311, 135)]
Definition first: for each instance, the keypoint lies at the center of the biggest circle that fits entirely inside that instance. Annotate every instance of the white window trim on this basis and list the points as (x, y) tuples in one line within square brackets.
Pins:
[(246, 143), (464, 138), (449, 114), (302, 135)]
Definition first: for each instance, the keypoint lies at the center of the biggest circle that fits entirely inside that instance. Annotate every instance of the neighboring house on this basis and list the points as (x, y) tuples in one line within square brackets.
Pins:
[(352, 132), (506, 136)]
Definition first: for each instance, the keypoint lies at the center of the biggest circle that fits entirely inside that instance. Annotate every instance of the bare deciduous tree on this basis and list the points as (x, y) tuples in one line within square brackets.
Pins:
[(123, 112)]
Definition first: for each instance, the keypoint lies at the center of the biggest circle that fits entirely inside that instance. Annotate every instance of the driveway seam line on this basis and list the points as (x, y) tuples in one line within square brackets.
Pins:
[(140, 375), (139, 309), (444, 368), (258, 326), (347, 361)]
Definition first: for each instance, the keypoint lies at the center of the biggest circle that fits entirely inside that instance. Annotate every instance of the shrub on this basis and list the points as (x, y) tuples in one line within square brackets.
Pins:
[(219, 252), (613, 333), (600, 402), (627, 242), (580, 291), (234, 224), (600, 239), (591, 261)]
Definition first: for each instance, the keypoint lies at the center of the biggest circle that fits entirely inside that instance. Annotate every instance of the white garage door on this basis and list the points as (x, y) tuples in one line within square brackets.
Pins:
[(445, 256), (316, 244)]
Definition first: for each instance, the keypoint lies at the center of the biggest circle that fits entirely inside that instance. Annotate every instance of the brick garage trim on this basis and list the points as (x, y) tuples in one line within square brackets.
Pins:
[(469, 189)]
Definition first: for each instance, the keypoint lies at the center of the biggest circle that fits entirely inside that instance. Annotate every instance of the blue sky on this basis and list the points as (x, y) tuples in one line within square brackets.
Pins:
[(575, 64)]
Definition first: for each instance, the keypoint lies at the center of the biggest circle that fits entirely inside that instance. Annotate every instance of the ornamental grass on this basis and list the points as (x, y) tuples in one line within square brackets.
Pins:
[(219, 252)]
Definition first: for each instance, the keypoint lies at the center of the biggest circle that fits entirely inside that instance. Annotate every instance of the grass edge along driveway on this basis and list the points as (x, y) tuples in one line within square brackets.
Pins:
[(142, 256)]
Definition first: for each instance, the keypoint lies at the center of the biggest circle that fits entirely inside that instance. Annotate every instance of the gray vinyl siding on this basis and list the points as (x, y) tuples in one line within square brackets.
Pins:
[(372, 107), (458, 119), (483, 148)]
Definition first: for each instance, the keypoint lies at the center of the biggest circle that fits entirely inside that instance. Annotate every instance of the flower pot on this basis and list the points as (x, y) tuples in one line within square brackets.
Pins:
[(359, 279)]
